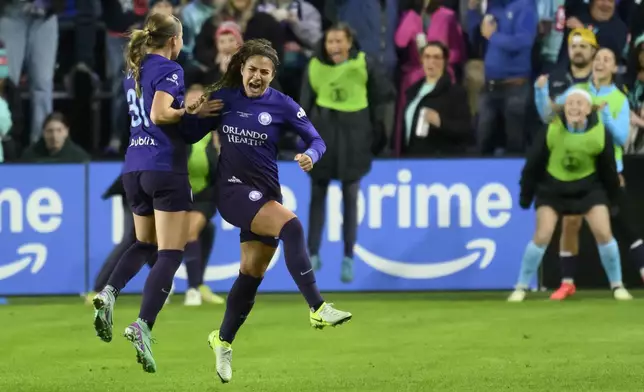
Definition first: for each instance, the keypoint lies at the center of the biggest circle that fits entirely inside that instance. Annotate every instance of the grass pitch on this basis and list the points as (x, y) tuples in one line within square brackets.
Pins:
[(395, 342)]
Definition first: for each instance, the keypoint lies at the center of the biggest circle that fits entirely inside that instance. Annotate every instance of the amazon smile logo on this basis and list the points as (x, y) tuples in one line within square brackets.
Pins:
[(398, 207)]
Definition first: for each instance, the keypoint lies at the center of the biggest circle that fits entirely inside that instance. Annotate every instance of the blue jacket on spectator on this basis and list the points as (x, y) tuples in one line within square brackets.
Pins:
[(509, 49), (366, 18)]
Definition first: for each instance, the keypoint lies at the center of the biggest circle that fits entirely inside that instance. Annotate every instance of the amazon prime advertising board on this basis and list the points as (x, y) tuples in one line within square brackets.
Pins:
[(423, 225), (42, 229)]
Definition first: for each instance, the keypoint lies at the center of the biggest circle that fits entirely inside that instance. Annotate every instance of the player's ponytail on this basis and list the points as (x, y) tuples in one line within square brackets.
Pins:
[(232, 78), (134, 54), (158, 29)]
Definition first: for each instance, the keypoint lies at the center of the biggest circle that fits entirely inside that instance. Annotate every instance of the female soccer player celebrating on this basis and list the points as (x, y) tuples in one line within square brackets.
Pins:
[(571, 169), (248, 189), (155, 176)]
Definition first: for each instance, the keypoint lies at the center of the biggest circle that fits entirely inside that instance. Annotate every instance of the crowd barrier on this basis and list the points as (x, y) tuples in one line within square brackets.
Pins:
[(423, 225)]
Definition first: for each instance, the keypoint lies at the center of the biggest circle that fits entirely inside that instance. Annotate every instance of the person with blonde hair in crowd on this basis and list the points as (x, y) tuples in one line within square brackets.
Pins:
[(344, 94), (616, 117), (570, 170), (155, 176)]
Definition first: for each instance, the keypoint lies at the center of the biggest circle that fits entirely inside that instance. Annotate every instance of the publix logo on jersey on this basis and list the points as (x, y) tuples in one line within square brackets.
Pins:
[(27, 217)]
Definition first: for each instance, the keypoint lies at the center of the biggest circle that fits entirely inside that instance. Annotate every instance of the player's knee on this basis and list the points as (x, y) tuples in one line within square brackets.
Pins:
[(193, 234), (542, 236), (603, 235), (292, 228)]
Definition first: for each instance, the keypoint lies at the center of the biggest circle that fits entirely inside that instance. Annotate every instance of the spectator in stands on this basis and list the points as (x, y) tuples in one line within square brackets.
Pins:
[(374, 23), (552, 23), (600, 17), (637, 21), (5, 113), (55, 146), (418, 26), (474, 70), (582, 46), (252, 25), (636, 88), (510, 28), (163, 6), (193, 17), (228, 39), (29, 29), (437, 119), (343, 94), (302, 24), (119, 17)]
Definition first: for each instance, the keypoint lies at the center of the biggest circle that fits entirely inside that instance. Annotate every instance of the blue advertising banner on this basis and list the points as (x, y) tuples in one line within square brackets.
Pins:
[(423, 225), (106, 223), (42, 229)]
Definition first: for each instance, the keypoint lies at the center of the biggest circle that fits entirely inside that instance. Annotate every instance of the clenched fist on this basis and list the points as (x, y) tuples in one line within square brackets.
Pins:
[(305, 162)]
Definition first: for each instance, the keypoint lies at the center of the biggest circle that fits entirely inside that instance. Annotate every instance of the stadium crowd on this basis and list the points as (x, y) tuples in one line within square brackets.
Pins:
[(469, 92)]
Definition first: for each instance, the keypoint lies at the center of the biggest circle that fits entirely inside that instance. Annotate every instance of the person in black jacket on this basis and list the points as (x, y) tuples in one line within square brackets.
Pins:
[(436, 118), (344, 95)]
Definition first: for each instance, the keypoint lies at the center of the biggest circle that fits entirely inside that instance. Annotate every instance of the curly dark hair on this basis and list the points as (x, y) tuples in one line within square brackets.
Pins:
[(232, 77)]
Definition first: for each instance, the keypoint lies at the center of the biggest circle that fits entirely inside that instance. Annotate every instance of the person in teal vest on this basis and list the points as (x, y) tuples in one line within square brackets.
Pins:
[(344, 96), (616, 117), (570, 170)]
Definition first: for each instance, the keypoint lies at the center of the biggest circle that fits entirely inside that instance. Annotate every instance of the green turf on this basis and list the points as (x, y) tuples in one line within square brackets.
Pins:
[(396, 342)]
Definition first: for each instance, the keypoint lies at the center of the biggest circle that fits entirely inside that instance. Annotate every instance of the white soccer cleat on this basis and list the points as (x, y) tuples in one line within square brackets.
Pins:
[(223, 356), (621, 294), (518, 295), (328, 316), (193, 298)]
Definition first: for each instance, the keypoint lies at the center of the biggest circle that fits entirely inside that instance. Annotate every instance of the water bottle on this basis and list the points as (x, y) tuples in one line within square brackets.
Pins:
[(422, 126)]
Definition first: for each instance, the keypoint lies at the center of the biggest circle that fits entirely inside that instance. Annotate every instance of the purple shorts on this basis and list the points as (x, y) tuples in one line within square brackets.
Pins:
[(147, 191), (238, 204)]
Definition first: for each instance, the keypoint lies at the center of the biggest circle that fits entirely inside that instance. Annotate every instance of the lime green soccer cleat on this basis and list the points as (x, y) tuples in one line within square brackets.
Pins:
[(328, 316)]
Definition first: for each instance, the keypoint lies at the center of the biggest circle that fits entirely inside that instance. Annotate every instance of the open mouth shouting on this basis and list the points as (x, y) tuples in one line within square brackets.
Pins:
[(255, 87)]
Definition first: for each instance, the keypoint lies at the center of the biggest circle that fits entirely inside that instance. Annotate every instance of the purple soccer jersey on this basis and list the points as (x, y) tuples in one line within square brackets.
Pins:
[(249, 131), (155, 147)]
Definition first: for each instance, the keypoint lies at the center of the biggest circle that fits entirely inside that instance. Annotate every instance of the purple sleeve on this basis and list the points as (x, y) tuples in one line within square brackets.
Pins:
[(171, 81), (194, 128), (296, 117)]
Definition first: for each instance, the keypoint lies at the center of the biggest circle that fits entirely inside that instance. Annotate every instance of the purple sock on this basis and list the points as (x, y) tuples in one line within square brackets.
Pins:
[(130, 264), (239, 303), (192, 258), (568, 267), (298, 263), (158, 284)]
